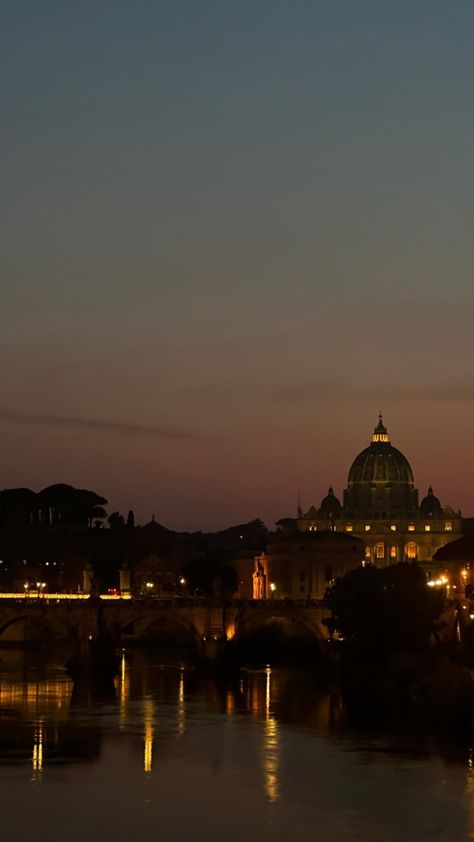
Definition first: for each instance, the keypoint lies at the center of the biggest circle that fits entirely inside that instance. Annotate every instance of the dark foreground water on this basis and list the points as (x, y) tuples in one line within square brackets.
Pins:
[(162, 754)]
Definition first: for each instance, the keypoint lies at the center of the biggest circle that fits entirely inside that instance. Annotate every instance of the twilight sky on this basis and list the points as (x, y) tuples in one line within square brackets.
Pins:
[(231, 232)]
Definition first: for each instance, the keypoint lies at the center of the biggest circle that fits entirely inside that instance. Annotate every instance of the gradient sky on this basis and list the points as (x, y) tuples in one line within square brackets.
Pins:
[(231, 232)]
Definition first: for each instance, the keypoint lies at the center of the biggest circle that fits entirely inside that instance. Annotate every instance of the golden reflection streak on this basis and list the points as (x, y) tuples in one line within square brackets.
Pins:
[(271, 745), (181, 708), (49, 695), (469, 792), (37, 698), (229, 703), (124, 689), (37, 757), (148, 722), (271, 758)]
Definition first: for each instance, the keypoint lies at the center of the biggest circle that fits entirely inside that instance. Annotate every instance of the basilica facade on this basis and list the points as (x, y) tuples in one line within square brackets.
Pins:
[(380, 506)]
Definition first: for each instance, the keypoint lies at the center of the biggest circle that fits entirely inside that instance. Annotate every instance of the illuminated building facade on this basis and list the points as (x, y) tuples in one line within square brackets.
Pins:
[(380, 506), (297, 566)]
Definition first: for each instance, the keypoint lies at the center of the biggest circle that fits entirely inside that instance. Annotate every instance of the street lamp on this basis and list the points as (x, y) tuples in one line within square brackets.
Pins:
[(273, 588)]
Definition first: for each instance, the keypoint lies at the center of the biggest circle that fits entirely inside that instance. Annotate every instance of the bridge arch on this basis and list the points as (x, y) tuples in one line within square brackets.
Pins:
[(275, 636), (165, 627), (37, 627), (292, 622)]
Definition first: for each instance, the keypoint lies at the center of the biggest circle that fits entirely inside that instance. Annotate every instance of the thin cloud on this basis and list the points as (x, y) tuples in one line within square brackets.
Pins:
[(98, 425)]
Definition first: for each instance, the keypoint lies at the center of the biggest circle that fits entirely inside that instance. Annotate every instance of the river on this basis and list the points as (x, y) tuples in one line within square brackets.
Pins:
[(163, 753)]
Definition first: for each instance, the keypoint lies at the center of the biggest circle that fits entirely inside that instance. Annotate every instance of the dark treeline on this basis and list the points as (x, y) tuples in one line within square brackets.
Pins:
[(55, 533), (54, 505)]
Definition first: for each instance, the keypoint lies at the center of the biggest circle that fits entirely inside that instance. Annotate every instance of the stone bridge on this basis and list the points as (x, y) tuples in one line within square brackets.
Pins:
[(204, 622)]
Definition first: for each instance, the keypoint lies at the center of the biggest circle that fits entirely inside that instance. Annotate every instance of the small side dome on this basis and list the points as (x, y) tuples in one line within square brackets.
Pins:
[(330, 506), (430, 505)]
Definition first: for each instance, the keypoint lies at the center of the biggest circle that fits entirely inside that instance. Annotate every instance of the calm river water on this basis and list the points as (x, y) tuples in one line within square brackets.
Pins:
[(163, 754)]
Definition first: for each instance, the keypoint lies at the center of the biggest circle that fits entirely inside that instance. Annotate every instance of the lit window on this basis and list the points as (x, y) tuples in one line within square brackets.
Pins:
[(411, 527), (448, 526), (393, 552), (367, 527), (349, 527), (379, 551), (427, 527), (393, 527), (411, 550)]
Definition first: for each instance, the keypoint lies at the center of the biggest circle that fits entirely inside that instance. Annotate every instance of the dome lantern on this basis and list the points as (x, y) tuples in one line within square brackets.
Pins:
[(380, 432)]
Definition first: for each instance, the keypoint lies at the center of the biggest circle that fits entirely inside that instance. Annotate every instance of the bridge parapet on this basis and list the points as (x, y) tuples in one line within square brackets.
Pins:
[(201, 619)]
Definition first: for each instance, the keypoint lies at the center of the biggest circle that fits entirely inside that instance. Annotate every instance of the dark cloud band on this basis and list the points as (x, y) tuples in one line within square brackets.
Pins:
[(98, 425)]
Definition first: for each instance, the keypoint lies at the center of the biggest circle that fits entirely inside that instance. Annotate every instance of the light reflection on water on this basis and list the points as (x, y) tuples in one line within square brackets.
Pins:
[(163, 751)]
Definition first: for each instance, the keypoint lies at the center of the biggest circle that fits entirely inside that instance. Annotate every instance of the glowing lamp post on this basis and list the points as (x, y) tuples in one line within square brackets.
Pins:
[(273, 588)]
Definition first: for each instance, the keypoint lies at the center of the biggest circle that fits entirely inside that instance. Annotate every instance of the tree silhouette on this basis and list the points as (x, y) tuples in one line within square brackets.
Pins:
[(66, 505), (116, 520), (384, 610)]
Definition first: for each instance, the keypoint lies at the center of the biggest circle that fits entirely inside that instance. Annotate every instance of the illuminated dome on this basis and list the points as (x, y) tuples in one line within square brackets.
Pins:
[(380, 462), (380, 482), (430, 505)]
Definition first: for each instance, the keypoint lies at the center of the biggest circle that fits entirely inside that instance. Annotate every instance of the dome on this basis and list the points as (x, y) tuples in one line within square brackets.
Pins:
[(330, 506), (380, 462), (430, 505), (380, 482)]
